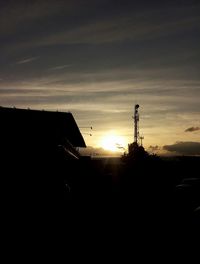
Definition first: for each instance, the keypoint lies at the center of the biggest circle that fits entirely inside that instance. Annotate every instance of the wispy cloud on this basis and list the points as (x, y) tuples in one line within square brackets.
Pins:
[(27, 60), (61, 67), (127, 26), (15, 15), (147, 25)]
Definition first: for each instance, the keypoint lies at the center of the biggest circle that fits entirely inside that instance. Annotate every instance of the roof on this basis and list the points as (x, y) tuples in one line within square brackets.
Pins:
[(30, 124)]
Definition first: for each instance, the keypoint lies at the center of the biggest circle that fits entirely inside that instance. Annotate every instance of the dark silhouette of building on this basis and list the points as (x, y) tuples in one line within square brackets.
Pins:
[(33, 132), (38, 149)]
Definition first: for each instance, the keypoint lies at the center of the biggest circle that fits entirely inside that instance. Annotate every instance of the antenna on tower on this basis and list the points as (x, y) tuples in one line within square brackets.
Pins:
[(135, 149), (141, 138), (136, 124)]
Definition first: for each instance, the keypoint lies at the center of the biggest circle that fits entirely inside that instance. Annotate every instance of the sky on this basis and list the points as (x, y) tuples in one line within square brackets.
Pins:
[(97, 59)]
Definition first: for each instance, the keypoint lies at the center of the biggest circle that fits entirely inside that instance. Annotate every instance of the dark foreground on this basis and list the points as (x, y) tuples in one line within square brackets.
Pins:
[(145, 198), (145, 202), (50, 195)]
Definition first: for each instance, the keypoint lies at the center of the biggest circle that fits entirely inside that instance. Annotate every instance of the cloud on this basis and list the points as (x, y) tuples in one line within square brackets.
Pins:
[(105, 29), (184, 148), (60, 67), (154, 148), (128, 27), (98, 152), (15, 15), (27, 60), (192, 129), (98, 92)]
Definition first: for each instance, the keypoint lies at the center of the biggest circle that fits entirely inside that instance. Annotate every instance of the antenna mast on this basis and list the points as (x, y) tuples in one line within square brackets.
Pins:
[(136, 124), (141, 138)]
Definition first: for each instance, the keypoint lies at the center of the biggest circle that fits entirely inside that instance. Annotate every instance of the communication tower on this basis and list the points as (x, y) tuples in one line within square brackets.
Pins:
[(136, 124)]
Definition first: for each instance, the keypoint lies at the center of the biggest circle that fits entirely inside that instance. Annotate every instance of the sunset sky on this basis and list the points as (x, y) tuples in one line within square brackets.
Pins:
[(98, 58)]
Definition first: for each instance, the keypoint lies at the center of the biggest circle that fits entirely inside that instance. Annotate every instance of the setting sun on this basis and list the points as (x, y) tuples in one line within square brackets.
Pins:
[(113, 143)]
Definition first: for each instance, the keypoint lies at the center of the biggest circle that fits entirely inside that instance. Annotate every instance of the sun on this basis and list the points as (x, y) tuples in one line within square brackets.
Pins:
[(114, 143)]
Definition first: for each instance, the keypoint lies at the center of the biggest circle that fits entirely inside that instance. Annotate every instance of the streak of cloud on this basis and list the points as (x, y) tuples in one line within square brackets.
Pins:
[(61, 67), (127, 27), (27, 60)]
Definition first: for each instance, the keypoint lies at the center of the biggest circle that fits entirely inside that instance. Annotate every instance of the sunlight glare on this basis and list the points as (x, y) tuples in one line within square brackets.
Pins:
[(113, 143)]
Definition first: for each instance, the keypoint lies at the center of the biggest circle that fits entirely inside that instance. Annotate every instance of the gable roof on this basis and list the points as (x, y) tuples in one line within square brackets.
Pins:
[(55, 126)]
